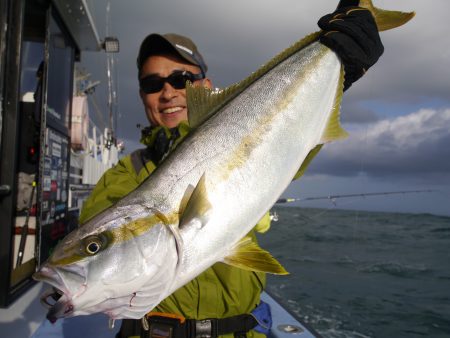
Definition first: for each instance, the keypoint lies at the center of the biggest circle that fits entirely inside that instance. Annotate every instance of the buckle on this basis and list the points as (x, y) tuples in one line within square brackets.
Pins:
[(205, 328), (160, 330), (163, 325)]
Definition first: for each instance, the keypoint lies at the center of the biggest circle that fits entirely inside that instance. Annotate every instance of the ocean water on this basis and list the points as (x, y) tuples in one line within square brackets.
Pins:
[(363, 274)]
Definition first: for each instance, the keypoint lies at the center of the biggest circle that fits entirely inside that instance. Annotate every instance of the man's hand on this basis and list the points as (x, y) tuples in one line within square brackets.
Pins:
[(352, 34)]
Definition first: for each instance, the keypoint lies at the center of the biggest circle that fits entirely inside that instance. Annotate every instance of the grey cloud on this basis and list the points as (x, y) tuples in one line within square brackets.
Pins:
[(354, 112), (413, 145)]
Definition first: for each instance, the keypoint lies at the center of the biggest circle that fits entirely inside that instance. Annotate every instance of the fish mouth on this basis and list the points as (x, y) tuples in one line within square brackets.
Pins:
[(58, 299), (57, 303)]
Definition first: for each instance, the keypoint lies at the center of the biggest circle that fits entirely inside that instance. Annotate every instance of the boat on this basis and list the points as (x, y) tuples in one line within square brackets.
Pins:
[(286, 324)]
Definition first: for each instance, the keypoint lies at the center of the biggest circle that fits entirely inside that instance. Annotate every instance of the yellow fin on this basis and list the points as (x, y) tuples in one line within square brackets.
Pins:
[(202, 103), (185, 200), (198, 204), (333, 130), (307, 161), (386, 19), (248, 255), (263, 224)]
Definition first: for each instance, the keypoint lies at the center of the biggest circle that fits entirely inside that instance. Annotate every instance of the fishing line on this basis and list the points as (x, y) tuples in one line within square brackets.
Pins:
[(362, 166)]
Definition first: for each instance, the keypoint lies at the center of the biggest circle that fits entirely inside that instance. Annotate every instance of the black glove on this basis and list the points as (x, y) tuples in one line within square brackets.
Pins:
[(352, 34)]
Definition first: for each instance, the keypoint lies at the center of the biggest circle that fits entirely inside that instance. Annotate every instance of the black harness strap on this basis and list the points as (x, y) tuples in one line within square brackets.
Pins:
[(140, 157), (136, 160), (240, 324), (206, 328)]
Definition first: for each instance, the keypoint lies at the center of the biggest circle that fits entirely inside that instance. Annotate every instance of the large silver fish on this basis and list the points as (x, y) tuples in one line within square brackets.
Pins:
[(248, 143)]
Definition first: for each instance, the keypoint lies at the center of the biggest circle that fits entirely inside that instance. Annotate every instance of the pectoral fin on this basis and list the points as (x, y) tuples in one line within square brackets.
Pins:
[(185, 200), (248, 255), (198, 205)]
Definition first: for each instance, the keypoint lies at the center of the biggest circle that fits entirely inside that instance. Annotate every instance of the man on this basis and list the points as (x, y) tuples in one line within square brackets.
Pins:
[(164, 65), (225, 294)]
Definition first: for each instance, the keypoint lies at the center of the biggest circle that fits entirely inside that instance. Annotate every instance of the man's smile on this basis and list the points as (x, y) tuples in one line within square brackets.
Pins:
[(171, 110)]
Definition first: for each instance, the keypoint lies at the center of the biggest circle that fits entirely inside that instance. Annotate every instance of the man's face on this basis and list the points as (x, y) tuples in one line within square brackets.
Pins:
[(168, 106)]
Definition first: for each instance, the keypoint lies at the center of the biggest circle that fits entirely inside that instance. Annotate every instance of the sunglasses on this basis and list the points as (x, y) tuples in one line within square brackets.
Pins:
[(153, 83)]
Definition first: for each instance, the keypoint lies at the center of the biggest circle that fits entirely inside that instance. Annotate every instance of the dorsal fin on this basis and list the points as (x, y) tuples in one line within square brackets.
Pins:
[(203, 103)]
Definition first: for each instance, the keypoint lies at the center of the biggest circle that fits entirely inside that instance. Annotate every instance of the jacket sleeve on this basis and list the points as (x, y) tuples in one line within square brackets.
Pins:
[(112, 186)]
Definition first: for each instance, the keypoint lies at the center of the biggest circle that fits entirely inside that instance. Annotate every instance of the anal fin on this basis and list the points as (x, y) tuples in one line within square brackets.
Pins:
[(248, 255)]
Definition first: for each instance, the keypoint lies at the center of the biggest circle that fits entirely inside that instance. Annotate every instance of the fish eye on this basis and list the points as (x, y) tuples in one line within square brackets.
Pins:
[(93, 245)]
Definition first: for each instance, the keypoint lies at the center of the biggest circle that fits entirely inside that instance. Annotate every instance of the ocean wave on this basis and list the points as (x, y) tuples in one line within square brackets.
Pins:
[(395, 269), (345, 260), (335, 238), (340, 333), (324, 322), (440, 230)]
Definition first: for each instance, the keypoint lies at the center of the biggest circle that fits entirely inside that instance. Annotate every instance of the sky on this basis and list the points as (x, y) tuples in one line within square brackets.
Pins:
[(398, 114)]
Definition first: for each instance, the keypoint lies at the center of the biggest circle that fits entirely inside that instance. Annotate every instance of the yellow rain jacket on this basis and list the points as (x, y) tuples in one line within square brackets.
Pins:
[(220, 291)]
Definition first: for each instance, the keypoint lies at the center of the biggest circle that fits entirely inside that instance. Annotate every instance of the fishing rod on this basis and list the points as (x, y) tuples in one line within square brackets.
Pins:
[(24, 233), (333, 198)]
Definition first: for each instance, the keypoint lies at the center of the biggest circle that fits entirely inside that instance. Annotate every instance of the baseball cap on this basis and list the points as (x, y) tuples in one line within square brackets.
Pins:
[(181, 45)]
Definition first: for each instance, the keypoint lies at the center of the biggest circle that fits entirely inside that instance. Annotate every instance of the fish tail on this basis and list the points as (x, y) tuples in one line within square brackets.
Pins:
[(384, 19)]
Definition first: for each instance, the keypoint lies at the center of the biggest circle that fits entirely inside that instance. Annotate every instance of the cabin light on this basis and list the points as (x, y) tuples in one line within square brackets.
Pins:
[(111, 44)]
